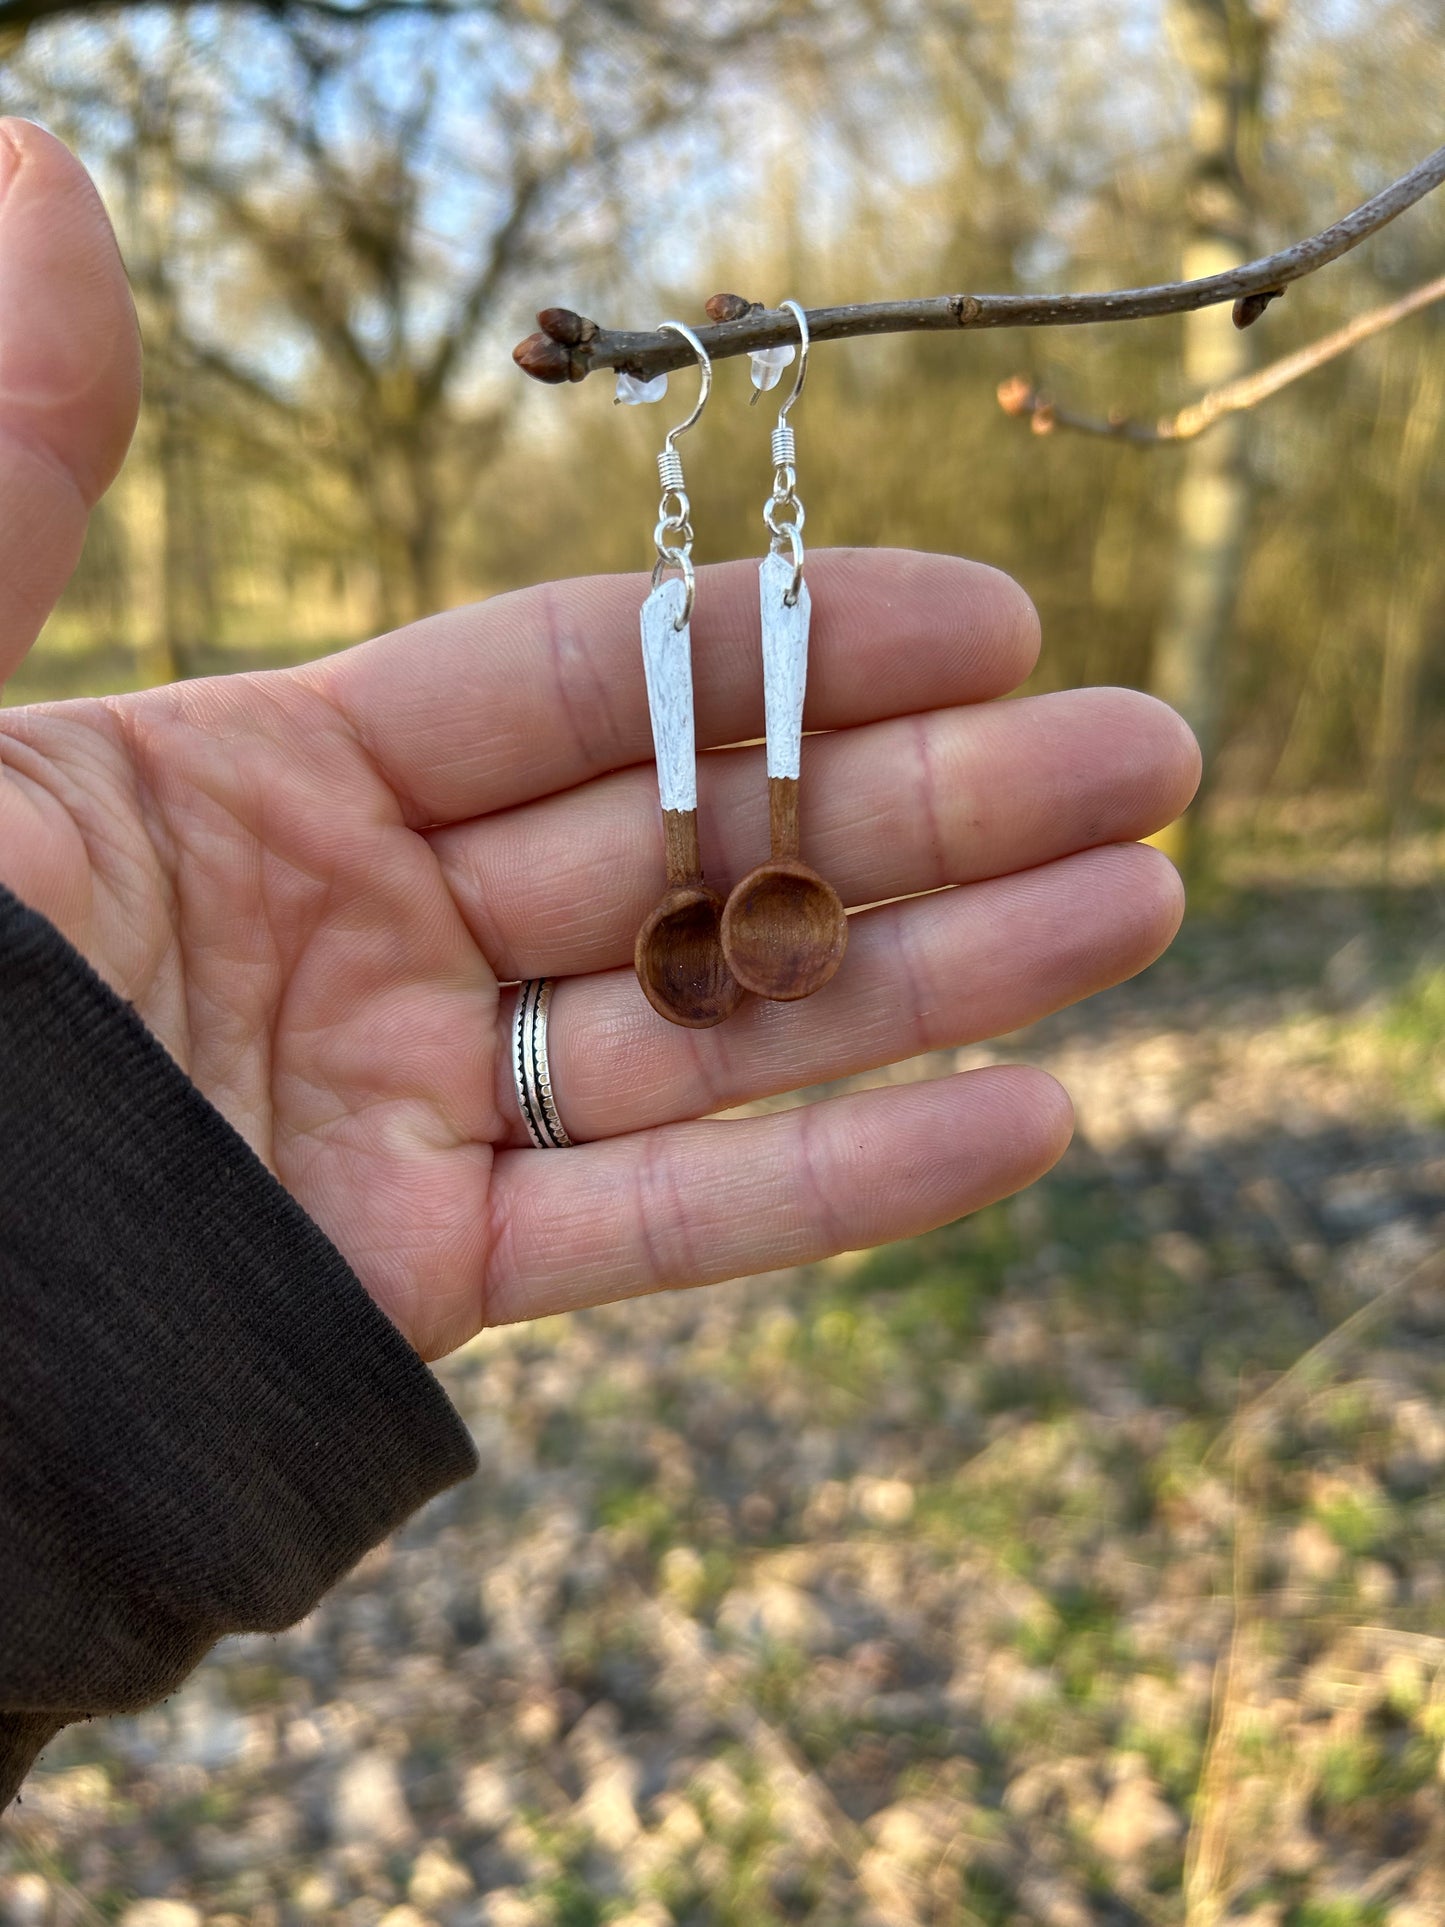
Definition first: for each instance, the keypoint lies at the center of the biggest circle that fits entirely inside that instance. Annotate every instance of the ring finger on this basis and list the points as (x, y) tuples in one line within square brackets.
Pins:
[(558, 888), (929, 974)]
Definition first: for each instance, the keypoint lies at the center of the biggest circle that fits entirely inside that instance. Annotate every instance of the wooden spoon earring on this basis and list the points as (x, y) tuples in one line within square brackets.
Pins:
[(679, 956), (784, 930)]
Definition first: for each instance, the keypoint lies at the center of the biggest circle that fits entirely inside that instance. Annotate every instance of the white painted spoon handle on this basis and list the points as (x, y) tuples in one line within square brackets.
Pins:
[(785, 663), (667, 659)]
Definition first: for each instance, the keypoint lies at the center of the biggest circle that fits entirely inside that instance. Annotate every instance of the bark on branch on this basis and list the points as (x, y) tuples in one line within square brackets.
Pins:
[(1017, 396), (570, 347)]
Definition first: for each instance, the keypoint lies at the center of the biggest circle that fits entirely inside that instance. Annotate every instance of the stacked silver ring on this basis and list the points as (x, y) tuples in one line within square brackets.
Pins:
[(530, 1067)]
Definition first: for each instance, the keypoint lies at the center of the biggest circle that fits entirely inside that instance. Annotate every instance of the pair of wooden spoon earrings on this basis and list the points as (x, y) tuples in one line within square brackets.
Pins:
[(782, 932)]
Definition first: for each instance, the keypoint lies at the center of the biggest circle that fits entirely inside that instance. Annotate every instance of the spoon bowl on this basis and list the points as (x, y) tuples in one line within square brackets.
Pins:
[(679, 959), (784, 930)]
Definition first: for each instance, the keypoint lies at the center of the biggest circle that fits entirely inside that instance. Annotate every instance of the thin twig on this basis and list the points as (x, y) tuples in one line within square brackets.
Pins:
[(571, 347), (1326, 1352), (1019, 397), (824, 1822), (1206, 1852), (43, 1861)]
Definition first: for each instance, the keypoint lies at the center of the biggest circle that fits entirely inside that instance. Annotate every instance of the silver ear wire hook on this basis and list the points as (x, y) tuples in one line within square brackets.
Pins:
[(704, 363), (804, 342), (785, 530), (673, 534)]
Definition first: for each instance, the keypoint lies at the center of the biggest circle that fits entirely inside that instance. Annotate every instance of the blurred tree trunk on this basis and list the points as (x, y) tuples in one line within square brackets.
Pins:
[(189, 609), (400, 492), (181, 602), (1397, 747), (1224, 44)]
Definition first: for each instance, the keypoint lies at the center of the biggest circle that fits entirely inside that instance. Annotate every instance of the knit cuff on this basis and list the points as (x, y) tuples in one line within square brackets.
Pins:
[(204, 1419)]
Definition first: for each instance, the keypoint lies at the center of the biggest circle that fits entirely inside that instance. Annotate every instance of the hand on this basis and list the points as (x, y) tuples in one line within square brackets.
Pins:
[(311, 882)]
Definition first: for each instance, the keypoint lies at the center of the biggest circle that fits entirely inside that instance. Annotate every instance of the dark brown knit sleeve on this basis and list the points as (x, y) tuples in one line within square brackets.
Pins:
[(204, 1419)]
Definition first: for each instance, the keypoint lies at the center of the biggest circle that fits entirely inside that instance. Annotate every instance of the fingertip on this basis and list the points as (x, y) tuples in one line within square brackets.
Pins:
[(994, 1131), (1042, 1100), (1016, 618), (1190, 755), (69, 342), (1160, 889), (1182, 765), (1175, 762), (987, 617), (1124, 908)]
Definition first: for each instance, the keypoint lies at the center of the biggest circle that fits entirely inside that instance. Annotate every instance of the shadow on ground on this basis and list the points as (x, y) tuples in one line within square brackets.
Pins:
[(1077, 1563)]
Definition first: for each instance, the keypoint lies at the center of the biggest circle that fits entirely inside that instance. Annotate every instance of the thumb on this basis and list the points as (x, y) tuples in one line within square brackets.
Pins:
[(69, 373)]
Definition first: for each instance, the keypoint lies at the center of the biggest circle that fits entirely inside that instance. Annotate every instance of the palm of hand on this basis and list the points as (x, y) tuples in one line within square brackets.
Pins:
[(229, 858), (311, 882)]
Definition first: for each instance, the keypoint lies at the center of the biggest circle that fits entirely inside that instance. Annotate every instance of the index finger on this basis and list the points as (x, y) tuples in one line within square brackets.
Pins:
[(535, 691)]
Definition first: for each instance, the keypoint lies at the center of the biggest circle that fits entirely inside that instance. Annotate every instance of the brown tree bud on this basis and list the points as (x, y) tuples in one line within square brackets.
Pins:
[(565, 325), (543, 358), (1016, 395), (728, 307), (1250, 307)]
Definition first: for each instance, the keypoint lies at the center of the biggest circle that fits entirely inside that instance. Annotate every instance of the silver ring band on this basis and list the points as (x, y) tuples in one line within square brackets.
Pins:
[(530, 1068)]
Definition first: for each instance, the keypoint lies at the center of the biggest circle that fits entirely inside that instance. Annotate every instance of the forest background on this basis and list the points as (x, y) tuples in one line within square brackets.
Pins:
[(337, 231), (1081, 1563)]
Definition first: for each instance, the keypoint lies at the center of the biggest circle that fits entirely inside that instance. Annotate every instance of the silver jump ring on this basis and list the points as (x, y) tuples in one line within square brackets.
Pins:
[(786, 536), (680, 560), (530, 1067)]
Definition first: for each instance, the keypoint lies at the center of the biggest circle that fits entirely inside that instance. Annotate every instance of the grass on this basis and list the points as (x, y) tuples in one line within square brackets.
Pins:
[(1043, 1555), (1409, 1034)]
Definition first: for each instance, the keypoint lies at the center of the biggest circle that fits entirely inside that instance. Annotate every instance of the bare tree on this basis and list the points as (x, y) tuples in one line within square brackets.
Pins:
[(339, 244), (1408, 617), (373, 214), (1225, 45), (337, 189)]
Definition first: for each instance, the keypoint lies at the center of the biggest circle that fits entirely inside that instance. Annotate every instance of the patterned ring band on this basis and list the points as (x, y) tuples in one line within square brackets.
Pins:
[(530, 1068)]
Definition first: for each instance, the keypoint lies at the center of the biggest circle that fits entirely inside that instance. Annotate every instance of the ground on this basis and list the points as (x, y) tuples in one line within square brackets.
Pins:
[(1082, 1562)]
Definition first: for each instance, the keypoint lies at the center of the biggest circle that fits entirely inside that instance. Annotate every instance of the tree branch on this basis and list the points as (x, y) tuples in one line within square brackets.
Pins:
[(1017, 396), (571, 347)]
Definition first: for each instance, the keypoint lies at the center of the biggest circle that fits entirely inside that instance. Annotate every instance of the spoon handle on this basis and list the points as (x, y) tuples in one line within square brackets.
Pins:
[(785, 676), (680, 847), (667, 660)]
